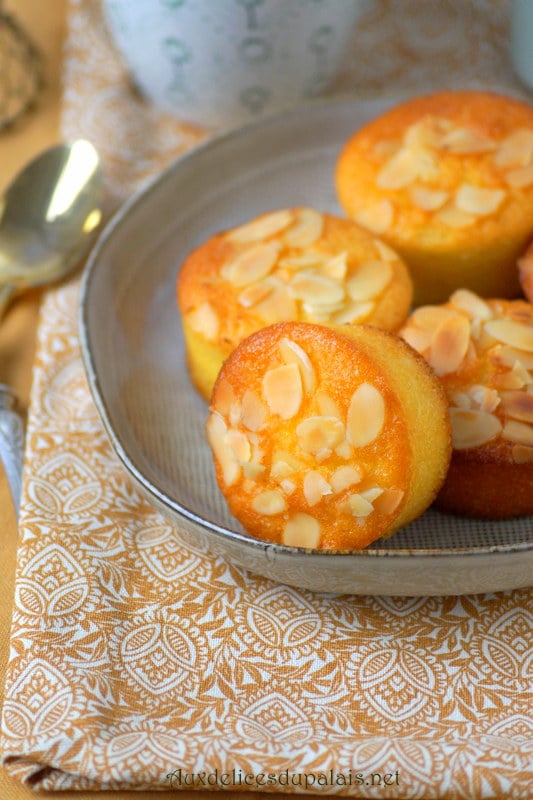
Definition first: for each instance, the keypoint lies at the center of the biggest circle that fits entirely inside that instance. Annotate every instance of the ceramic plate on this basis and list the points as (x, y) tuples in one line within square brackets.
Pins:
[(134, 357)]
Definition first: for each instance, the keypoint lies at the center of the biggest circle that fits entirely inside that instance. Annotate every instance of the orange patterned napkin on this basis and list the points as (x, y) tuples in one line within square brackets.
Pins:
[(138, 662)]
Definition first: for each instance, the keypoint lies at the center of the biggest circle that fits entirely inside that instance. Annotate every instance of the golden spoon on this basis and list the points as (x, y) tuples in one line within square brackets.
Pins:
[(48, 217)]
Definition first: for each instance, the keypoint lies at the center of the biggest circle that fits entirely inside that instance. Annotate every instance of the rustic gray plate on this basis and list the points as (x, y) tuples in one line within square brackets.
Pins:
[(134, 357)]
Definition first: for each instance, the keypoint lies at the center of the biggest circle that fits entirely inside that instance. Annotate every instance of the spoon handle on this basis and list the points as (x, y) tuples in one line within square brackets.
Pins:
[(11, 442), (6, 293)]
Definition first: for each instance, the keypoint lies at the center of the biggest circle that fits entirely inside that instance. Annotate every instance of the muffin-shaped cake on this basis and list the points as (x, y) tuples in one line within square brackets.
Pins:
[(293, 264), (447, 181), (483, 352), (327, 438)]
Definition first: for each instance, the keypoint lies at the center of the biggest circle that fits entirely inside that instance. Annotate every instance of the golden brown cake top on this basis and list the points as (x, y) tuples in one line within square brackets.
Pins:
[(483, 352), (310, 437), (443, 165), (291, 264)]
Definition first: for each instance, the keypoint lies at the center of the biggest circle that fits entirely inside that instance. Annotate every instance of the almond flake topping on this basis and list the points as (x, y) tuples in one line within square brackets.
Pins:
[(359, 505), (428, 199), (370, 280), (377, 217), (336, 267), (478, 200), (320, 435), (204, 320), (513, 333), (252, 264), (307, 230), (344, 477), (278, 305), (292, 353), (316, 289), (353, 312), (253, 411), (453, 217), (269, 503), (473, 428), (522, 454), (466, 141), (261, 228), (519, 178), (518, 405), (449, 345), (388, 501), (366, 415), (473, 305), (216, 433), (516, 150), (301, 530), (518, 432), (282, 390), (315, 487), (400, 170), (253, 294), (326, 405)]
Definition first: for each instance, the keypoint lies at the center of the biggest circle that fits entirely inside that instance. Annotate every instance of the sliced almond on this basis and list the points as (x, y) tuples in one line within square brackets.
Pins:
[(277, 306), (366, 415), (239, 443), (253, 294), (427, 132), (522, 454), (216, 430), (519, 432), (453, 217), (252, 264), (428, 199), (520, 178), (315, 487), (518, 405), (204, 320), (516, 150), (473, 428), (269, 503), (354, 313), (344, 450), (385, 252), (388, 501), (449, 345), (478, 200), (261, 228), (372, 493), (419, 338), (319, 435), (253, 412), (301, 530), (377, 217), (282, 390), (225, 398), (344, 477), (466, 141), (252, 470), (292, 353), (304, 260), (461, 400), (474, 306), (513, 333), (508, 356), (307, 229), (359, 505), (370, 279), (336, 267), (316, 290), (484, 398), (400, 170)]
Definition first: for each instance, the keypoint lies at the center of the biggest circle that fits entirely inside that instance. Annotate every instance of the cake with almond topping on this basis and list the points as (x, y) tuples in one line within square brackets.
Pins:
[(327, 437), (447, 181), (482, 351), (290, 264)]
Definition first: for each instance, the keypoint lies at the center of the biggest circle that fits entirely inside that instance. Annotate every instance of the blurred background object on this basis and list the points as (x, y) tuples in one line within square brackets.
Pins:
[(21, 76), (522, 40)]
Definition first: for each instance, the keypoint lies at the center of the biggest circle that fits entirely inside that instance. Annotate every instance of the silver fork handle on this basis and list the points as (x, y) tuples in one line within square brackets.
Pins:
[(11, 441)]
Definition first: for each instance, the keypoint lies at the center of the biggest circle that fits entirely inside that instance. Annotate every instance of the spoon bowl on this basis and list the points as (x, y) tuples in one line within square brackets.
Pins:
[(49, 216)]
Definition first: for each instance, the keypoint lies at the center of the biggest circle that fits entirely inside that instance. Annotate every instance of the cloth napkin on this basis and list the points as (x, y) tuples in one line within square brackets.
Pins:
[(138, 662)]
